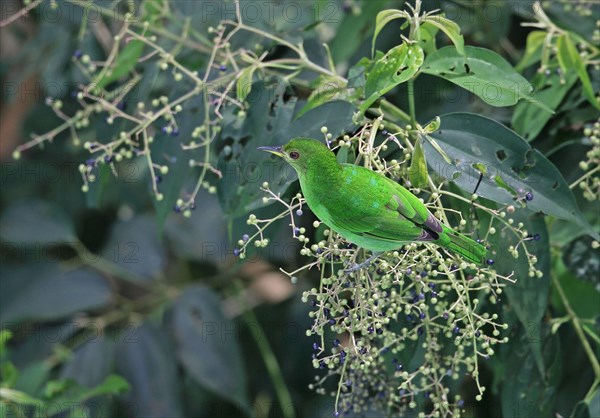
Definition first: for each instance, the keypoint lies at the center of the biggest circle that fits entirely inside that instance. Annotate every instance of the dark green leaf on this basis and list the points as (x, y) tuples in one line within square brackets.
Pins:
[(582, 295), (524, 391), (268, 122), (149, 366), (244, 168), (91, 362), (584, 409), (528, 120), (570, 59), (206, 346), (482, 72), (513, 168), (46, 292), (583, 260), (398, 65), (168, 151), (134, 245), (203, 237), (32, 221), (528, 297)]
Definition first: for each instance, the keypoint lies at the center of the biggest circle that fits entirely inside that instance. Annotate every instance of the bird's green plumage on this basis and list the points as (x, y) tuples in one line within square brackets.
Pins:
[(365, 207)]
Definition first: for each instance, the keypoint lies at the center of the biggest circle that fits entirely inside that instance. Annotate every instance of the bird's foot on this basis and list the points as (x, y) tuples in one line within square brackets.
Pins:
[(365, 264)]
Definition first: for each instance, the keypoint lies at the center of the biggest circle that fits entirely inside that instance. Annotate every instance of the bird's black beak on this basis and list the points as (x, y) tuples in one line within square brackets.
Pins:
[(273, 150)]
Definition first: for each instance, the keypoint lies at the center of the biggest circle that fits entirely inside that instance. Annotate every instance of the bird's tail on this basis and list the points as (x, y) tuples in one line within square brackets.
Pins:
[(463, 245)]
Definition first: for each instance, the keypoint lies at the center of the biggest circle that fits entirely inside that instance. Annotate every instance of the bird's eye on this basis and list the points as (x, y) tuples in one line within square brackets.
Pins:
[(294, 155)]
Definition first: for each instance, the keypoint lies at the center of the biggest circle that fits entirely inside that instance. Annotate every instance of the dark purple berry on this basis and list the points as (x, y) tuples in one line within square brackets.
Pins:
[(336, 342), (489, 262), (245, 237), (537, 237), (529, 196), (236, 252), (299, 212), (223, 68), (77, 54)]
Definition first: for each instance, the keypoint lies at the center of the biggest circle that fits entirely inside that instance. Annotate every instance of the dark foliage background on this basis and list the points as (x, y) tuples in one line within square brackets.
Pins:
[(119, 306)]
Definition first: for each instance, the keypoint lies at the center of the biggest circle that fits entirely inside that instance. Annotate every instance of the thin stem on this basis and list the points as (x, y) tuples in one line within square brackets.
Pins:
[(578, 329), (272, 365), (411, 102)]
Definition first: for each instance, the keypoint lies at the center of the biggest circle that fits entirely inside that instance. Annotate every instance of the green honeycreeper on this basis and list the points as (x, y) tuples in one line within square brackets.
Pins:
[(365, 207)]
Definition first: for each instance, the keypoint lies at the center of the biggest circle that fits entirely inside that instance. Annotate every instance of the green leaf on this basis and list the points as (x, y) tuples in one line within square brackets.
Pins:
[(268, 122), (527, 120), (323, 92), (205, 346), (427, 34), (202, 237), (18, 397), (46, 292), (134, 245), (582, 295), (383, 18), (583, 260), (524, 391), (482, 72), (112, 385), (533, 49), (584, 409), (398, 65), (32, 221), (513, 167), (167, 150), (450, 28), (92, 361), (528, 297), (417, 173), (149, 366), (244, 83), (125, 62), (570, 60)]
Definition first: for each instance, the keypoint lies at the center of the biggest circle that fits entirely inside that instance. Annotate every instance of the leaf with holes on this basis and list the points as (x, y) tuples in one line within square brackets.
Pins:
[(269, 122), (511, 171), (383, 18), (398, 65), (450, 28), (481, 72)]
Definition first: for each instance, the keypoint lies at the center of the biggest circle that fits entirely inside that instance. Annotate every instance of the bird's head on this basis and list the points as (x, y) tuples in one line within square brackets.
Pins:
[(302, 153)]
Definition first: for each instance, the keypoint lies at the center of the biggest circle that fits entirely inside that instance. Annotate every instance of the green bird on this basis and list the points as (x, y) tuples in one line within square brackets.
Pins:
[(365, 207)]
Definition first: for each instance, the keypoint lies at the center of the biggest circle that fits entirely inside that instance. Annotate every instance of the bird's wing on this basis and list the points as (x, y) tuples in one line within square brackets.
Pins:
[(401, 216), (395, 229), (409, 206)]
